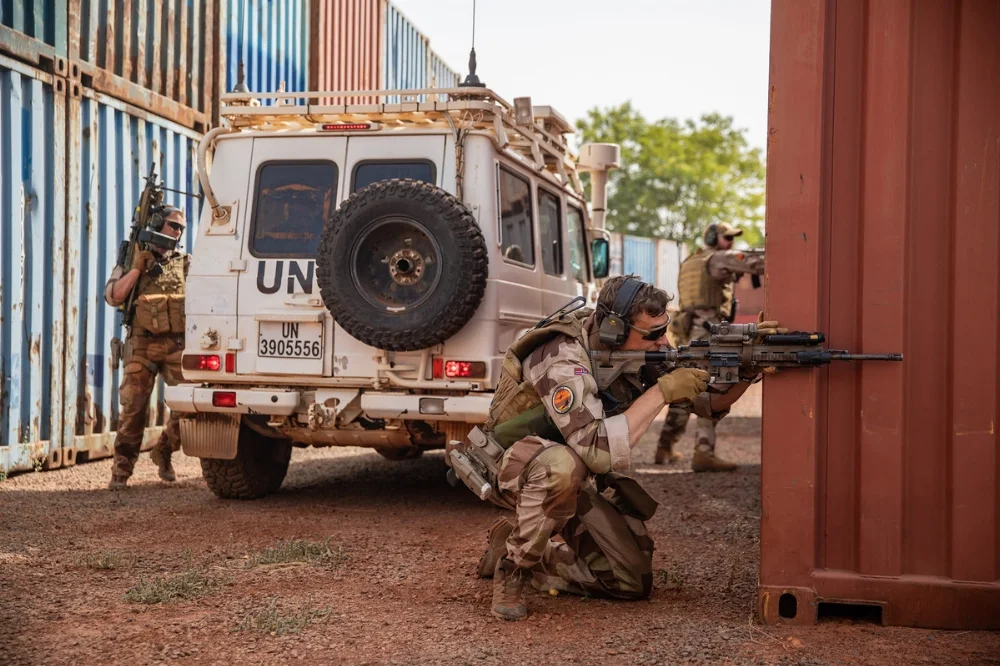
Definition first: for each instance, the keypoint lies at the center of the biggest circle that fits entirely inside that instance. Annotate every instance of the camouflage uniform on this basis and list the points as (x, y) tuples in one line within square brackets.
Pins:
[(564, 524), (706, 298), (154, 346)]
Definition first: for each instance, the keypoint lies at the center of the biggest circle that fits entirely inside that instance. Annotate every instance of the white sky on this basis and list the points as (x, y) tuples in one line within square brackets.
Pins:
[(672, 58)]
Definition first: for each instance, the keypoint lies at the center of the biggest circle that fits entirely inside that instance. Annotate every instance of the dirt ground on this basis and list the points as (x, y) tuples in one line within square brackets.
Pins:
[(388, 576)]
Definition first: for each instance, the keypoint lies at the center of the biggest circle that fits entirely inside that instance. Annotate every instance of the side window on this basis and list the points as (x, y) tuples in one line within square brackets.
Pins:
[(291, 203), (550, 228), (516, 234), (366, 173), (577, 244)]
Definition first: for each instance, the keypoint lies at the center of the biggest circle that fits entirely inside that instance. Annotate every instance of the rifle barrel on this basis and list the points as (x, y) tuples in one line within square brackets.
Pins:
[(869, 357)]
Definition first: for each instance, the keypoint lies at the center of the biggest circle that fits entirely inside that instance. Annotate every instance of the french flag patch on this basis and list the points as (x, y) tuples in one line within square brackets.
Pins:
[(580, 371)]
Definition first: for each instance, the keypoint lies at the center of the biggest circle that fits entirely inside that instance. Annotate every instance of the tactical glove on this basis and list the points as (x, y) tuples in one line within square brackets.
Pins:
[(683, 384), (144, 261), (770, 327)]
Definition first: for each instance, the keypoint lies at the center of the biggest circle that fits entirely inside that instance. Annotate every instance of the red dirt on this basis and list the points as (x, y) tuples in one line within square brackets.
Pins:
[(406, 592)]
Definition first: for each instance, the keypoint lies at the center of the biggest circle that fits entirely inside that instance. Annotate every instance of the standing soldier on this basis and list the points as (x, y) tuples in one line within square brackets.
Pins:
[(154, 345), (706, 298), (578, 525)]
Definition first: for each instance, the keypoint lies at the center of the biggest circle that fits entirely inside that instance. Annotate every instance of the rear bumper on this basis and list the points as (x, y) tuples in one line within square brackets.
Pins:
[(472, 408)]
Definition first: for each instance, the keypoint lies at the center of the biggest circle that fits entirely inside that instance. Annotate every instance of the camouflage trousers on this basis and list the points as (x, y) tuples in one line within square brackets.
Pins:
[(572, 532), (146, 358)]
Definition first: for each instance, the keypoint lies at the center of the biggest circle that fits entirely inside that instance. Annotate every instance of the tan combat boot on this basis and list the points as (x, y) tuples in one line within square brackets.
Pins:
[(161, 457), (508, 591), (705, 461), (667, 456), (118, 482), (497, 546)]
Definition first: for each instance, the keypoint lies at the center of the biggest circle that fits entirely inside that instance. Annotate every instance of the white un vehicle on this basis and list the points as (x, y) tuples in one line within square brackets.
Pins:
[(362, 265)]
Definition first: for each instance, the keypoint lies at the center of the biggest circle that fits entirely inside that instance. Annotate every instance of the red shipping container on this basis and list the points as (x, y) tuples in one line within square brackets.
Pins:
[(346, 46), (881, 482)]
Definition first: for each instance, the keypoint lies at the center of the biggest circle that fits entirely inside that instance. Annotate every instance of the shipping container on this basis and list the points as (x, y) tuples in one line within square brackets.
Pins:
[(440, 75), (32, 170), (881, 482), (110, 149), (271, 37), (346, 45), (405, 56), (159, 55), (669, 255), (32, 27), (639, 258)]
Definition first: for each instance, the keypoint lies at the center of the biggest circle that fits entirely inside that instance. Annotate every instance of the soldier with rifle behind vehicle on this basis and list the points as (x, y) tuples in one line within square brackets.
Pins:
[(147, 287), (576, 393), (705, 287)]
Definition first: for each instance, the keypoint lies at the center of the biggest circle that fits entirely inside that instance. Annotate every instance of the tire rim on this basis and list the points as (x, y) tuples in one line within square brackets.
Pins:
[(396, 264)]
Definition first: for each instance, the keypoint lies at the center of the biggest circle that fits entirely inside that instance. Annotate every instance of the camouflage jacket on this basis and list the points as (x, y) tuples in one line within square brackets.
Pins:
[(559, 370)]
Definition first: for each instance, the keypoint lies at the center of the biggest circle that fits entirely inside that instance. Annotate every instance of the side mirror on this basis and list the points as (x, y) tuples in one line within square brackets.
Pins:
[(599, 254)]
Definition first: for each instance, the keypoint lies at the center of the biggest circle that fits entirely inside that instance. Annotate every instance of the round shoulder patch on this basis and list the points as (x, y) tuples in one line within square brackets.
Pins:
[(562, 399)]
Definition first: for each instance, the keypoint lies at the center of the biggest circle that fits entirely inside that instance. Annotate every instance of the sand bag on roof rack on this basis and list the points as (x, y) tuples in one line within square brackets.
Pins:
[(402, 265)]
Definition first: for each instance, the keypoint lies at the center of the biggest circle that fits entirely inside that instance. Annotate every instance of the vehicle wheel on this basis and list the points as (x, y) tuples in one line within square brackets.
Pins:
[(410, 453), (402, 265), (257, 470)]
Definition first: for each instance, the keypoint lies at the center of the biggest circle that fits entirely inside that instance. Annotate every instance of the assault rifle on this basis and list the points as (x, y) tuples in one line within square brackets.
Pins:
[(729, 353), (147, 221)]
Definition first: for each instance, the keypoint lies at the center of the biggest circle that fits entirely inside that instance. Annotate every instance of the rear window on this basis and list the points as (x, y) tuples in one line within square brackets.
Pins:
[(367, 173), (291, 203), (516, 233)]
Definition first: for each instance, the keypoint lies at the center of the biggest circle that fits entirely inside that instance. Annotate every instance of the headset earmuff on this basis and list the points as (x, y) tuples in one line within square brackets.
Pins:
[(614, 328)]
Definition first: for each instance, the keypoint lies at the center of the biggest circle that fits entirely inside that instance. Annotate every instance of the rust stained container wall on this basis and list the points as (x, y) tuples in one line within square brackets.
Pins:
[(40, 26), (346, 45), (32, 163), (113, 144), (881, 482), (160, 55)]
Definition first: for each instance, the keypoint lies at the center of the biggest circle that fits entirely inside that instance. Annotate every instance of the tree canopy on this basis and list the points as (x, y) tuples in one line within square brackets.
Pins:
[(677, 177)]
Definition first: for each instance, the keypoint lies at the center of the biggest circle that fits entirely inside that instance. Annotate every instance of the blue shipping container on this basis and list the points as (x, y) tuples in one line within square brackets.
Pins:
[(32, 262), (114, 148), (639, 258), (272, 39), (405, 61), (44, 20)]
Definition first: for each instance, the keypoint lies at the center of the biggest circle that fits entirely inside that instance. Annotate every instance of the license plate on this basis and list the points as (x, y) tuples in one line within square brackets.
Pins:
[(290, 339)]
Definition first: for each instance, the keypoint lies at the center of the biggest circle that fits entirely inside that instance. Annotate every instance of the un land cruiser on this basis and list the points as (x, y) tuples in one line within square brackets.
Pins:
[(362, 264)]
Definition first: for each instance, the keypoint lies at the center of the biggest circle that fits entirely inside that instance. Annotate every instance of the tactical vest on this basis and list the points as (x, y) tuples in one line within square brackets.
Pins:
[(159, 305), (514, 395), (700, 291)]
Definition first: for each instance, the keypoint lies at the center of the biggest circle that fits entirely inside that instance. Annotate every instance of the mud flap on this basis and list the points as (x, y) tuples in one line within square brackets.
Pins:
[(210, 436)]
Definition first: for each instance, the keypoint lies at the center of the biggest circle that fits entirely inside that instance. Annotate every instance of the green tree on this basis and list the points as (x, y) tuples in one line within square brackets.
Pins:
[(677, 177)]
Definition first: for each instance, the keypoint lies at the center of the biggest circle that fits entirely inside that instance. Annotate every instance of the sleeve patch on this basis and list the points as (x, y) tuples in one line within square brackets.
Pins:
[(562, 399)]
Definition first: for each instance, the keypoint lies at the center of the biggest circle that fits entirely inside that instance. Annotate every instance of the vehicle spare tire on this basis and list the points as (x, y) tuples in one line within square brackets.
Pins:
[(402, 265)]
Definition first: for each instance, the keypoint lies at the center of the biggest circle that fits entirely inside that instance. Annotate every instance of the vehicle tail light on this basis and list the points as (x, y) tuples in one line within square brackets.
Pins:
[(349, 127), (231, 362), (437, 371), (465, 369), (224, 399), (210, 362)]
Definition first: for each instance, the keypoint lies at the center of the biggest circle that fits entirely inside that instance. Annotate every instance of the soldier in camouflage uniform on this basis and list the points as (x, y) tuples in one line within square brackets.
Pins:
[(153, 346), (706, 298), (578, 524)]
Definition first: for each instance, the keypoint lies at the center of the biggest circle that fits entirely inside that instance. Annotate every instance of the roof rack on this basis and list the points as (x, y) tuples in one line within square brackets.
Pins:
[(541, 145)]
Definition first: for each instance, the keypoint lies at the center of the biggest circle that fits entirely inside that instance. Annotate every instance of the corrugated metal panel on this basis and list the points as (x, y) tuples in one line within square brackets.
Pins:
[(346, 45), (160, 55), (441, 75), (32, 261), (881, 483), (110, 148), (404, 62), (639, 258), (668, 266), (40, 20), (273, 44)]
